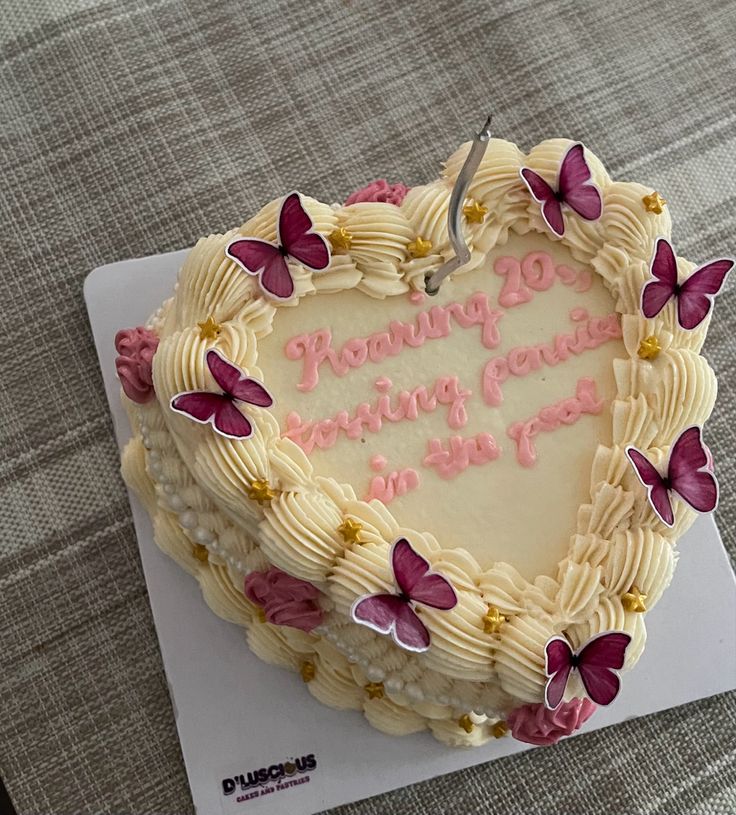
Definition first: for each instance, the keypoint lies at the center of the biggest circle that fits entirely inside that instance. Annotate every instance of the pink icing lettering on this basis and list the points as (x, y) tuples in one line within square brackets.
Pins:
[(394, 485), (417, 297), (513, 292), (564, 412), (459, 453), (324, 433), (578, 315), (585, 281), (315, 349), (524, 359), (536, 272), (378, 462), (567, 275)]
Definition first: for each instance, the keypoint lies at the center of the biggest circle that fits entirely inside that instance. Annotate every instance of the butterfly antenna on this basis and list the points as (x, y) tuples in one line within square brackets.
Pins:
[(454, 212)]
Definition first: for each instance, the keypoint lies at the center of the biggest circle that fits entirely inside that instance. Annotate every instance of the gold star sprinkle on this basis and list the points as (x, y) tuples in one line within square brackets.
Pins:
[(493, 620), (499, 730), (209, 329), (340, 238), (649, 348), (475, 213), (350, 530), (261, 491), (654, 203), (374, 690), (466, 723), (634, 600), (308, 671), (200, 552), (419, 248)]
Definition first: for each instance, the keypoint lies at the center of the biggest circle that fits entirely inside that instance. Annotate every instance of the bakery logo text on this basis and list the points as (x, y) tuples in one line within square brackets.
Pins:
[(267, 780)]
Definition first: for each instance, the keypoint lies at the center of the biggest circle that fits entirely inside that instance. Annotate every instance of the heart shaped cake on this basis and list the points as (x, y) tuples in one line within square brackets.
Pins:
[(450, 510)]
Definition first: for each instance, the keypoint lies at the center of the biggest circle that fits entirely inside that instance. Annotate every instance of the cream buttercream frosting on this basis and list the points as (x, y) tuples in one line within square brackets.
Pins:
[(550, 536)]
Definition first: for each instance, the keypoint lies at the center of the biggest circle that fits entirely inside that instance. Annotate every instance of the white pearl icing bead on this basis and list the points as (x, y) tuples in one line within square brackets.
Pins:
[(176, 503), (202, 535), (414, 692), (374, 673), (144, 429), (188, 519), (169, 489), (352, 659), (393, 684), (154, 456)]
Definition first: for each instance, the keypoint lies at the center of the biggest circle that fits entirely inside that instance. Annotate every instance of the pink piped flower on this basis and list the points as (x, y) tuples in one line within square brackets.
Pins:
[(379, 191), (136, 347), (285, 600), (537, 724)]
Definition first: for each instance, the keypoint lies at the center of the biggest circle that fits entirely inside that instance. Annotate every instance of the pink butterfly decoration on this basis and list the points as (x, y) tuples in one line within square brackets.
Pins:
[(694, 297), (220, 409), (574, 190), (689, 475), (596, 662), (295, 240), (394, 613)]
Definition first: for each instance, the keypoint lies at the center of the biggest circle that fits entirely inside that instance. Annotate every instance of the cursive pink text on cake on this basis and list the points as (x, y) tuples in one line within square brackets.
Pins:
[(370, 416), (435, 323), (564, 412), (536, 272), (450, 457), (395, 484), (523, 359)]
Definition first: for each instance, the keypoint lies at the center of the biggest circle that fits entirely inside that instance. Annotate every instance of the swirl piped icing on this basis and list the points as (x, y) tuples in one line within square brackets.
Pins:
[(200, 481)]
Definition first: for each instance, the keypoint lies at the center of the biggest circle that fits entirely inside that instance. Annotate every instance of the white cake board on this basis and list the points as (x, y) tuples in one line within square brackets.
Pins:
[(236, 714)]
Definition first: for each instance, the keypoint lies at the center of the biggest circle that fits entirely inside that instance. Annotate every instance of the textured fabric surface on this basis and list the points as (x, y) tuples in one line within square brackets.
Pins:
[(130, 128)]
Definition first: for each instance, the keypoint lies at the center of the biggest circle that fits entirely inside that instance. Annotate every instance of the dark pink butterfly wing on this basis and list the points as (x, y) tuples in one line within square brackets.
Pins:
[(297, 238), (558, 664), (408, 566), (276, 278), (552, 214), (198, 405), (224, 372), (230, 421), (378, 611), (258, 257), (690, 471), (415, 580), (575, 187), (656, 294), (695, 297), (597, 661), (657, 491), (543, 193), (410, 632), (235, 383), (253, 254), (434, 590)]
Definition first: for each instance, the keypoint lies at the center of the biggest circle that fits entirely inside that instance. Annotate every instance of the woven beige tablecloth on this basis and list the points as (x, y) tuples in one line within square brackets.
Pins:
[(131, 128)]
